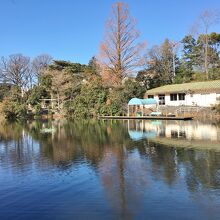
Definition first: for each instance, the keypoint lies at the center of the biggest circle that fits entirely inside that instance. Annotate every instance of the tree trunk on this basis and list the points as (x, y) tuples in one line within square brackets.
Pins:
[(206, 55), (119, 43)]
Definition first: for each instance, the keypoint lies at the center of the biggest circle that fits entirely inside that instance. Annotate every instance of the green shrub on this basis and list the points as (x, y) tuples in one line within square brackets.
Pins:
[(14, 110), (94, 99), (37, 109), (37, 93)]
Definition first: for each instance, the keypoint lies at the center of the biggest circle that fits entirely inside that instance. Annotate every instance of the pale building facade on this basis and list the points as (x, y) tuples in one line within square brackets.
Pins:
[(204, 94)]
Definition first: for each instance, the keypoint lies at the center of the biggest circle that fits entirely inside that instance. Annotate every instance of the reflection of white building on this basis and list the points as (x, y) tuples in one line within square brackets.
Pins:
[(203, 94), (190, 130)]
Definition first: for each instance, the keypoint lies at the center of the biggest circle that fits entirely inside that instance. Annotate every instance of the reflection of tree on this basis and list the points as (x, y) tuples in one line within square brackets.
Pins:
[(124, 166), (201, 167), (74, 140), (124, 176), (163, 162), (10, 131), (16, 146)]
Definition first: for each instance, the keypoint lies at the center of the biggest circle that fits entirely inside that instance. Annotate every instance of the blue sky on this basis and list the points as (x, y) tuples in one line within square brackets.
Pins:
[(72, 29)]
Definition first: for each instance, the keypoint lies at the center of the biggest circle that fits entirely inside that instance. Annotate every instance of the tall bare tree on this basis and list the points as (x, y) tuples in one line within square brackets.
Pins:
[(175, 47), (16, 70), (206, 20), (120, 55)]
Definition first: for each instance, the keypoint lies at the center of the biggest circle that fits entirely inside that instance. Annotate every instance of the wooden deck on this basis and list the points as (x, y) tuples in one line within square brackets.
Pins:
[(146, 117)]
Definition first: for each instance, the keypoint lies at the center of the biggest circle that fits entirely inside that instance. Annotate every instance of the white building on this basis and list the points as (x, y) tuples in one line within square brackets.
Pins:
[(204, 94)]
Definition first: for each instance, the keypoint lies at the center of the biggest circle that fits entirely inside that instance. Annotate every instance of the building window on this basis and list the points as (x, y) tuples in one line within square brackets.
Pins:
[(173, 97), (161, 99), (181, 96), (182, 134), (150, 96), (174, 134)]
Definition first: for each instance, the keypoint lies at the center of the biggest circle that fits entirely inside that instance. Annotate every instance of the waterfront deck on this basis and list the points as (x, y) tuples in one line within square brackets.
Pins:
[(147, 117)]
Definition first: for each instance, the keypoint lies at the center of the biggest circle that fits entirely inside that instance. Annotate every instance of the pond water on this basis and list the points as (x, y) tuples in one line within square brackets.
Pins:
[(110, 170)]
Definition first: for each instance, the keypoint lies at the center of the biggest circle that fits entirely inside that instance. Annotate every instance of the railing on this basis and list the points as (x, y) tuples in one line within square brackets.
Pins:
[(186, 109)]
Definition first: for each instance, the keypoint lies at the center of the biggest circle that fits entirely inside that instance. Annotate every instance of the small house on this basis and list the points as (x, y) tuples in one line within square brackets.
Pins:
[(204, 94)]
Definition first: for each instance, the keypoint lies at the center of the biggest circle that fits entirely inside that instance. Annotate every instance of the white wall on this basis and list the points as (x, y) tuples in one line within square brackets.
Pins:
[(203, 100)]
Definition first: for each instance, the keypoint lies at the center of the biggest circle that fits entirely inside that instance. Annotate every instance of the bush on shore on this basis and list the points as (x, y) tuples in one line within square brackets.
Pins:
[(14, 110), (95, 99)]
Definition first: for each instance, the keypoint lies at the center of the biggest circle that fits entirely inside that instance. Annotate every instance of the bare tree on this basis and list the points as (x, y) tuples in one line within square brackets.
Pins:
[(40, 63), (175, 47), (120, 55), (206, 20), (161, 64), (16, 70)]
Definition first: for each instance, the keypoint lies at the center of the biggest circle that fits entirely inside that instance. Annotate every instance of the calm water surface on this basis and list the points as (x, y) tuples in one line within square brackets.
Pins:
[(110, 170)]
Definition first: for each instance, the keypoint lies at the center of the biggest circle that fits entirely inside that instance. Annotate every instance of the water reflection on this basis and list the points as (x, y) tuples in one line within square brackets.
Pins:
[(134, 169), (182, 133)]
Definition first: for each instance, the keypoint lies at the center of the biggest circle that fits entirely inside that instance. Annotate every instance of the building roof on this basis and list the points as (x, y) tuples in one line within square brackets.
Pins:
[(136, 101), (208, 86)]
